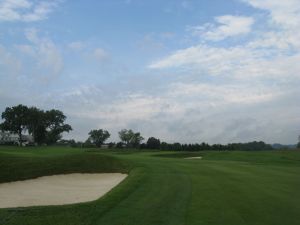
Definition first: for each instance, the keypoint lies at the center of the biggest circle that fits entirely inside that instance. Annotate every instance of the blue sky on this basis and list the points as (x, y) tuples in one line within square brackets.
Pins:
[(181, 70)]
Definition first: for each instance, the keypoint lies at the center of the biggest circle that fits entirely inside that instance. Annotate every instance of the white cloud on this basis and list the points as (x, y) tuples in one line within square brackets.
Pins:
[(48, 61), (239, 91), (187, 111), (219, 95), (284, 18), (230, 26), (186, 4), (151, 43), (240, 62), (32, 35), (271, 54), (174, 102), (25, 10), (9, 64), (220, 92), (76, 45), (215, 60), (26, 49), (283, 12), (100, 54)]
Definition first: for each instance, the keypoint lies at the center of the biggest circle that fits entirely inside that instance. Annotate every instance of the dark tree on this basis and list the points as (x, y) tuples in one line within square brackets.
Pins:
[(126, 136), (119, 145), (98, 137), (37, 125), (164, 146), (143, 146), (88, 143), (153, 143), (15, 120), (130, 138), (136, 140), (45, 127), (55, 126), (111, 144)]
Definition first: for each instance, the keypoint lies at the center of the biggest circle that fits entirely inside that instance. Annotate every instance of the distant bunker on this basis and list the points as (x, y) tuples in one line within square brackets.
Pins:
[(195, 157), (58, 189)]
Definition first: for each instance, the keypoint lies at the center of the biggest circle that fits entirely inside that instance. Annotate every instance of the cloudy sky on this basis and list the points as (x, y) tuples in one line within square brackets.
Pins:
[(181, 70)]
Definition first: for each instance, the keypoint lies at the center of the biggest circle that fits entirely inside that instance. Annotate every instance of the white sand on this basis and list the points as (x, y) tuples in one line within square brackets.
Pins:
[(196, 157), (58, 189)]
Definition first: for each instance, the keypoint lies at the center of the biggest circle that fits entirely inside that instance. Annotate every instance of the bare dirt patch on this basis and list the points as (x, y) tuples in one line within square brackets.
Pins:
[(58, 189)]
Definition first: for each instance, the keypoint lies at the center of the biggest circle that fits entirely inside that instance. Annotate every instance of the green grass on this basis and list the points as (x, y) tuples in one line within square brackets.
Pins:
[(228, 188), (31, 163)]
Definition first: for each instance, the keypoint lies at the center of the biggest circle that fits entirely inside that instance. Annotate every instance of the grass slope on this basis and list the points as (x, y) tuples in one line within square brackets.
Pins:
[(234, 188)]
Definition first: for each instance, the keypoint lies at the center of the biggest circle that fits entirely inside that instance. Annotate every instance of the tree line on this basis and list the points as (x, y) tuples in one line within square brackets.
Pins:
[(130, 139), (46, 127)]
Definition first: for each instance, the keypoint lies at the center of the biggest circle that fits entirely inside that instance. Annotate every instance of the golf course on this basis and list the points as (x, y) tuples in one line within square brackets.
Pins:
[(167, 188)]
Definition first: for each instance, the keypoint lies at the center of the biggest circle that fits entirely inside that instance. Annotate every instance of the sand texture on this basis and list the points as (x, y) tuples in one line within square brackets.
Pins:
[(196, 157), (57, 189)]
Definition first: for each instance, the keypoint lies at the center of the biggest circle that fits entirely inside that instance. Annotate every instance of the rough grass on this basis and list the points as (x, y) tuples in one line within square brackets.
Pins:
[(230, 188)]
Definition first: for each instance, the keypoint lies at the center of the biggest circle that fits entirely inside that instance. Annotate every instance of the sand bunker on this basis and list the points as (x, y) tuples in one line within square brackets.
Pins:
[(196, 157), (57, 189)]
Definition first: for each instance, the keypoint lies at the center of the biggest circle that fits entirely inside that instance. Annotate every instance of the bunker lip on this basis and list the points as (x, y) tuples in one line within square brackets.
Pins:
[(58, 189)]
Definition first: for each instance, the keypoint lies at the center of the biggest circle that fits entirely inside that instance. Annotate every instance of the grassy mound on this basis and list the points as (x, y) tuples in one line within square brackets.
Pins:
[(20, 167)]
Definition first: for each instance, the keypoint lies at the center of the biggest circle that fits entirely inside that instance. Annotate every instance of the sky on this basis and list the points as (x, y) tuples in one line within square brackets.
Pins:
[(181, 70)]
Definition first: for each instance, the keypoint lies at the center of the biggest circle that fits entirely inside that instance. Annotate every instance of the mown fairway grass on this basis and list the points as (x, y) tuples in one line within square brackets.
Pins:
[(228, 188)]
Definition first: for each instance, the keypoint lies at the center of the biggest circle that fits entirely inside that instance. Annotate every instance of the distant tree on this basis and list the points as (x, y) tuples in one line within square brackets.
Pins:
[(298, 145), (15, 120), (177, 147), (37, 124), (98, 137), (153, 143), (88, 143), (136, 140), (45, 127), (126, 136), (164, 146), (111, 144), (143, 146), (55, 126), (79, 144), (130, 138), (204, 146), (119, 145)]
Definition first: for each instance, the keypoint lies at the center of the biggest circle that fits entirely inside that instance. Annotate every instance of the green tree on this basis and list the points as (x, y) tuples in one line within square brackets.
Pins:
[(37, 125), (15, 120), (130, 138), (153, 143), (55, 125), (125, 136), (98, 137), (136, 140), (45, 127)]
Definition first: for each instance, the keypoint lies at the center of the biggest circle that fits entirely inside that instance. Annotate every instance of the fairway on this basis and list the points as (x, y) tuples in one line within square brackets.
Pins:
[(230, 188)]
